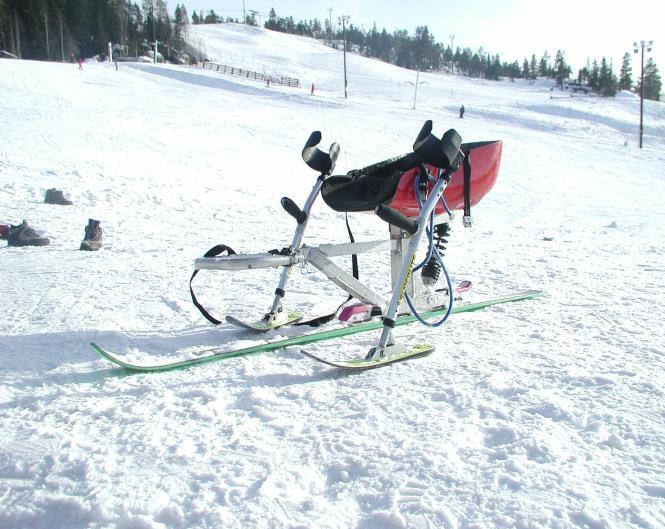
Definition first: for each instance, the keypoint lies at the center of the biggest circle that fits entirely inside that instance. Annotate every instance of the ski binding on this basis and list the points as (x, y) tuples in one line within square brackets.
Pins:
[(269, 322)]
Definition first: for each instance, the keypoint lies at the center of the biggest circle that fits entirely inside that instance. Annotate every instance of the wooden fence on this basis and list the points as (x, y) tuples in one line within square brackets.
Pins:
[(239, 72)]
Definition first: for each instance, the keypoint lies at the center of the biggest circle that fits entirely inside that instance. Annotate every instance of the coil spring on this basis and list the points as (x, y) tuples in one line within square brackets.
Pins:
[(441, 233), (432, 269)]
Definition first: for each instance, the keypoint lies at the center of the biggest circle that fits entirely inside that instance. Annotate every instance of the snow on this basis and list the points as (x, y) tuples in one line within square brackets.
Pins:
[(541, 414)]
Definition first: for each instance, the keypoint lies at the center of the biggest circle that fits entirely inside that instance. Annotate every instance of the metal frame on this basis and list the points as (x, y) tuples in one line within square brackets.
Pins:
[(299, 253), (402, 253), (386, 345), (403, 242)]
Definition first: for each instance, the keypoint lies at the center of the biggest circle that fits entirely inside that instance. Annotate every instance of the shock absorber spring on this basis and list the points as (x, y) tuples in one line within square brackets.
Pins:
[(441, 234), (432, 270)]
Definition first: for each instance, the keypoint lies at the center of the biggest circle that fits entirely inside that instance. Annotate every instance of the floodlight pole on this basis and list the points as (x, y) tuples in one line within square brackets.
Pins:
[(452, 51), (636, 49), (344, 19), (330, 26), (154, 35)]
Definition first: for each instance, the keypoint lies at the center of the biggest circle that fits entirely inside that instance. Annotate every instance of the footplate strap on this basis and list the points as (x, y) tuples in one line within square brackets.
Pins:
[(213, 252)]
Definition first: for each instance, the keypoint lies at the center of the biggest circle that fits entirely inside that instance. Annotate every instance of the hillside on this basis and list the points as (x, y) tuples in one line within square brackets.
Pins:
[(544, 414)]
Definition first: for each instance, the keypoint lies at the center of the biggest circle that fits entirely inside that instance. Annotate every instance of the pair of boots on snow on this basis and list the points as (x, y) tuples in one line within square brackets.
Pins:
[(26, 235)]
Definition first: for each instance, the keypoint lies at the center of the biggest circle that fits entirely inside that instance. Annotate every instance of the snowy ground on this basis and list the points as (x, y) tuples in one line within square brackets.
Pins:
[(544, 414)]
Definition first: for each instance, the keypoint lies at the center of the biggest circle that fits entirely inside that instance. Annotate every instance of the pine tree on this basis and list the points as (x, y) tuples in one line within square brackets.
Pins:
[(652, 82), (544, 67), (607, 80), (526, 72), (533, 66), (211, 18), (180, 27), (594, 76), (561, 69), (626, 75), (271, 23)]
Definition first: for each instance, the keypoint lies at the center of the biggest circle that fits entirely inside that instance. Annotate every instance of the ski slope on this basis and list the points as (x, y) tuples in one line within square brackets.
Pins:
[(542, 414)]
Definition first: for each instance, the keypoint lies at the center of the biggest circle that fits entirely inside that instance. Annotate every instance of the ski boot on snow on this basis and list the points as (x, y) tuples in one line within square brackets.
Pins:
[(55, 196), (25, 235), (93, 236)]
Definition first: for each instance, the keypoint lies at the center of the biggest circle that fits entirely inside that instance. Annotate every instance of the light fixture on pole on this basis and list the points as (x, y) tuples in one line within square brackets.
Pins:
[(344, 19), (636, 48)]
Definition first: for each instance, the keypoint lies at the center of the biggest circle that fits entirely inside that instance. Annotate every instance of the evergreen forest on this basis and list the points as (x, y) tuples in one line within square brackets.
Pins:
[(64, 30)]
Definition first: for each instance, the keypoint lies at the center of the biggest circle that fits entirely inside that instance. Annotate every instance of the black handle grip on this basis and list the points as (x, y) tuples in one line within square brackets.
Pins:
[(394, 217), (315, 158), (292, 209), (437, 152)]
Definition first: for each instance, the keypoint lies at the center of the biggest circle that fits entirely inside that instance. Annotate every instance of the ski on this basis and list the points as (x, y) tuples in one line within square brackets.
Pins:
[(361, 364), (212, 354), (282, 319)]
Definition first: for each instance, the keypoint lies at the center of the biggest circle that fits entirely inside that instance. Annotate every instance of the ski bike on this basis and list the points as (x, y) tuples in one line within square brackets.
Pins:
[(416, 194)]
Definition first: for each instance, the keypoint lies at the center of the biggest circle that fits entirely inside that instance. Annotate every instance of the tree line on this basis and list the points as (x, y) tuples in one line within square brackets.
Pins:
[(59, 30), (62, 29), (422, 51)]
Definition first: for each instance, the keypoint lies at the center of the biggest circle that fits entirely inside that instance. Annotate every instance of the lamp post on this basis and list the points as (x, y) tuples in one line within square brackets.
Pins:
[(330, 33), (154, 33), (636, 48), (452, 51), (415, 92), (344, 19)]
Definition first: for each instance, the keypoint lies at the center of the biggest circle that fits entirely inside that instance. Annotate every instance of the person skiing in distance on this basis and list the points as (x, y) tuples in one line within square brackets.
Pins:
[(461, 112)]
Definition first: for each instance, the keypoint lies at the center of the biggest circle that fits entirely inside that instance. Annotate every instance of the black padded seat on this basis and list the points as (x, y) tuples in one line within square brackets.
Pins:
[(365, 189)]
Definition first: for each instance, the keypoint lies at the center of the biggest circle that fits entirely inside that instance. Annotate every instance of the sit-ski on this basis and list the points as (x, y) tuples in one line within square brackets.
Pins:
[(416, 195)]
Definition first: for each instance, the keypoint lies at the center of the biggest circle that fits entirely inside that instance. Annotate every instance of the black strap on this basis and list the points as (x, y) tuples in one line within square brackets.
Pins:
[(354, 257), (398, 163), (467, 183), (213, 252), (322, 320)]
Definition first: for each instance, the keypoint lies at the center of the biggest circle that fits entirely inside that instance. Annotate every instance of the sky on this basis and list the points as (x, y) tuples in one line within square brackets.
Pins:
[(582, 29)]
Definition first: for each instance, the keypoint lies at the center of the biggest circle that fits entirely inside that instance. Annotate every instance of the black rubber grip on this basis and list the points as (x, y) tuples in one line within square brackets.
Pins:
[(394, 217), (292, 209), (434, 151)]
